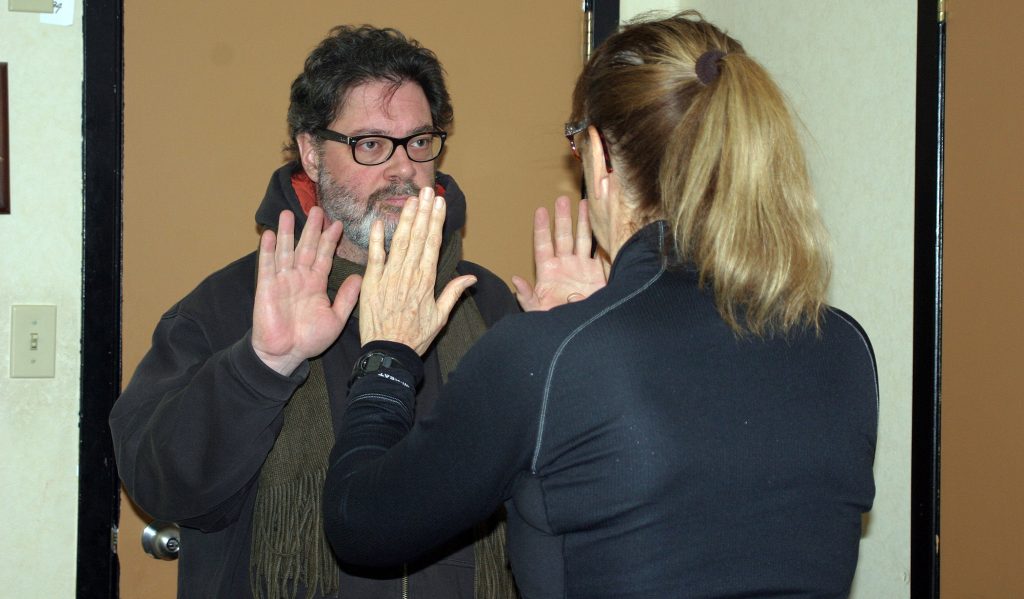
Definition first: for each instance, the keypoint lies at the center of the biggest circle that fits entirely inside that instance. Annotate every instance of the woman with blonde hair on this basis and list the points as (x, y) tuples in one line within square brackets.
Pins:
[(702, 425)]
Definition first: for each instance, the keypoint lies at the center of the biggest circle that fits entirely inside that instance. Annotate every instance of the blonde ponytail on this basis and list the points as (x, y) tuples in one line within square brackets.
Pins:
[(743, 211), (718, 156)]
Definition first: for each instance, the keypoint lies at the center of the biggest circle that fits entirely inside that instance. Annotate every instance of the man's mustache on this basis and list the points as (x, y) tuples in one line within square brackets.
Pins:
[(407, 189)]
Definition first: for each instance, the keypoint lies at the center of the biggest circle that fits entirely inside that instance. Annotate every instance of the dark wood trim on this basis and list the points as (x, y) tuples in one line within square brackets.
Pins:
[(925, 440), (605, 20), (5, 165), (102, 128)]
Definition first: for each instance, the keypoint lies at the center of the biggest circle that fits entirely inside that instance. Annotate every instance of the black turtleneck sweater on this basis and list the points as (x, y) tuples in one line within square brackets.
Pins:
[(641, 448)]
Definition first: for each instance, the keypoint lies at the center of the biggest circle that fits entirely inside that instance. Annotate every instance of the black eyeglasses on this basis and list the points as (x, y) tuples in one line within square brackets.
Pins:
[(371, 150), (572, 129)]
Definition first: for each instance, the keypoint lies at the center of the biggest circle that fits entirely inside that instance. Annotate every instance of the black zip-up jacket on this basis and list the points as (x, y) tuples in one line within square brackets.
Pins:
[(641, 448), (201, 413)]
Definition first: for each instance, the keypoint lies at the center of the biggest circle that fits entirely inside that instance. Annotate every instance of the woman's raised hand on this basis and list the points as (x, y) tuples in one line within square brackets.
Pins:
[(397, 300), (566, 272)]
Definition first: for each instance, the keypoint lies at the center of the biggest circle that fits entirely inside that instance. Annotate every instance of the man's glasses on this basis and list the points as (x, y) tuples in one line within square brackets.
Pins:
[(371, 150), (573, 129)]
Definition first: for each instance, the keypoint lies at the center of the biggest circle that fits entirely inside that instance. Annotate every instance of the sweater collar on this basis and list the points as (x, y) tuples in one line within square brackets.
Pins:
[(649, 247)]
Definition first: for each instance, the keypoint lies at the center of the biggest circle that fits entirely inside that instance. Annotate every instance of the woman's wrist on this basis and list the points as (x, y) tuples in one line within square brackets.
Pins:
[(382, 356)]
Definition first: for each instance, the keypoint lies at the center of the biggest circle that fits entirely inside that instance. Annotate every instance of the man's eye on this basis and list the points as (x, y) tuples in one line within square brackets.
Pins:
[(420, 142), (369, 145)]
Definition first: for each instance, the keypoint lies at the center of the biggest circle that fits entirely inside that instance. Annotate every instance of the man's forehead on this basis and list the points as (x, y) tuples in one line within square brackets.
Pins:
[(381, 105)]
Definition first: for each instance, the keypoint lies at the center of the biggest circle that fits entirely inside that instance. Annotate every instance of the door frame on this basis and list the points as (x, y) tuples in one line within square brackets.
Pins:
[(103, 124), (102, 130), (925, 462)]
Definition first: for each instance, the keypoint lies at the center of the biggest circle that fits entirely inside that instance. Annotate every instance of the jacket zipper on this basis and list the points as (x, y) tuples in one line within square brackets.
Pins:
[(405, 581)]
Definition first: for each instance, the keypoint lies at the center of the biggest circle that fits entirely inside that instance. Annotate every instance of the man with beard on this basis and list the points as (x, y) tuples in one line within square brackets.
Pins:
[(228, 422)]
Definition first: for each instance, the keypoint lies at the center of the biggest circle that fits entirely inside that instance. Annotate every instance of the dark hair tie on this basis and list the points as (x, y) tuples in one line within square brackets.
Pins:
[(707, 66)]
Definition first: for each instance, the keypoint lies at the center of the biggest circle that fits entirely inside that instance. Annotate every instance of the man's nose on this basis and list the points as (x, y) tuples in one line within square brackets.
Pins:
[(400, 166)]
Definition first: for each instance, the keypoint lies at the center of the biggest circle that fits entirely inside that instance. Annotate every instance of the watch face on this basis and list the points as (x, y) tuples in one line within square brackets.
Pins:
[(372, 362)]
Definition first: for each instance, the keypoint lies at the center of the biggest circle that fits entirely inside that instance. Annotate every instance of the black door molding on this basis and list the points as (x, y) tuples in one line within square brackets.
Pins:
[(925, 460), (604, 20), (102, 133)]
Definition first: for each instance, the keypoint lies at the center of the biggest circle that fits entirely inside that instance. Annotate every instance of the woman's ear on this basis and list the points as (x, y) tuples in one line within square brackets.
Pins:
[(309, 155), (600, 178)]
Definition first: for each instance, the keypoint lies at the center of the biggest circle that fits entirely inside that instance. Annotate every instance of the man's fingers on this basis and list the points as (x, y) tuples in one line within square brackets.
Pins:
[(563, 227), (542, 248), (451, 294), (326, 248), (348, 297), (305, 250), (285, 248), (268, 241)]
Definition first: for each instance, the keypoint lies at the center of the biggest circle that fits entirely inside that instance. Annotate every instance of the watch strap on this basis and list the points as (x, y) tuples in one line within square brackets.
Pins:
[(383, 356)]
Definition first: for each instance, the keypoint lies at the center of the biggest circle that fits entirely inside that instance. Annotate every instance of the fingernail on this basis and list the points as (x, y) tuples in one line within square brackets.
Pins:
[(438, 203)]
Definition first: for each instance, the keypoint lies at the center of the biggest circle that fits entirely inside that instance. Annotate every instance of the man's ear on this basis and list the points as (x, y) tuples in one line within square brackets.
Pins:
[(309, 154), (600, 177)]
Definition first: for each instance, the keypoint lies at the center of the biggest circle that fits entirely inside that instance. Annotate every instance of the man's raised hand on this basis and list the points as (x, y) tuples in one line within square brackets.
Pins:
[(293, 319)]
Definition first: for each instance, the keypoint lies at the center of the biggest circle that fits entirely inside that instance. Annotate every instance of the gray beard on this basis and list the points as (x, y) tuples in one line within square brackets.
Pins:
[(340, 203)]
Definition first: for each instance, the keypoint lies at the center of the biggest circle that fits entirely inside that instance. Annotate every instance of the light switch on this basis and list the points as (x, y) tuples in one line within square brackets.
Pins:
[(30, 6), (33, 341)]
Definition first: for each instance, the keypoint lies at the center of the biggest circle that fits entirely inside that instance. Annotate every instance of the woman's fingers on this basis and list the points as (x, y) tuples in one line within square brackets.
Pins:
[(542, 248), (435, 230), (400, 238), (524, 291), (563, 227), (375, 255), (418, 232), (584, 237), (451, 294)]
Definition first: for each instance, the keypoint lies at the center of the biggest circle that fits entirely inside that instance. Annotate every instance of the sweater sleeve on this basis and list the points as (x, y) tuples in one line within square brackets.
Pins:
[(193, 427), (395, 490)]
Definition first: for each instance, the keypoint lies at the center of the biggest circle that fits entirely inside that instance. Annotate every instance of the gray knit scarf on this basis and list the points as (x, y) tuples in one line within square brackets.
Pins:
[(289, 549)]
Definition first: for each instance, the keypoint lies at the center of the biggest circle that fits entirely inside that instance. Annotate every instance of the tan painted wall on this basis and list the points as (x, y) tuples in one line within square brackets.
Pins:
[(206, 92), (983, 292)]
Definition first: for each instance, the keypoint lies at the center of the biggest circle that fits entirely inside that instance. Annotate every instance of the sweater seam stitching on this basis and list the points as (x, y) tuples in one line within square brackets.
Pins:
[(565, 342)]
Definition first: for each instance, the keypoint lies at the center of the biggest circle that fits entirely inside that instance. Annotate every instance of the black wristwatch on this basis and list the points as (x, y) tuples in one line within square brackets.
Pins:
[(371, 362)]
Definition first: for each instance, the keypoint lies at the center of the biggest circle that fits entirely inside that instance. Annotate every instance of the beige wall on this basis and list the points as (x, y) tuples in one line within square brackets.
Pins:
[(41, 263), (983, 291), (849, 70)]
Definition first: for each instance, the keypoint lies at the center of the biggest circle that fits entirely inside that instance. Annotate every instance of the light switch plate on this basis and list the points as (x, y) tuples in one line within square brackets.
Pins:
[(33, 341), (45, 6)]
